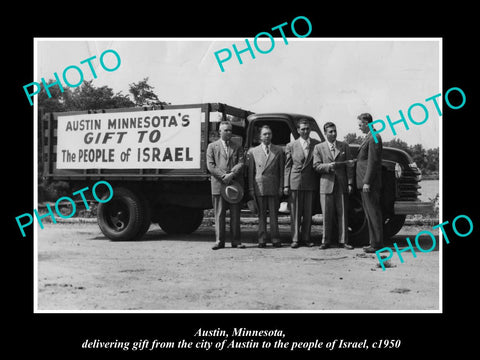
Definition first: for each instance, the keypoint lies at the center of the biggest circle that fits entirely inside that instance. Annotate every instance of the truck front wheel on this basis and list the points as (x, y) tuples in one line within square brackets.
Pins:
[(357, 221), (179, 219), (124, 217), (358, 227), (393, 225)]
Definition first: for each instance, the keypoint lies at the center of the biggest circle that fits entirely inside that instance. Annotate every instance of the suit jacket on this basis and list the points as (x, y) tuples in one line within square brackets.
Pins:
[(219, 163), (265, 175), (299, 172), (369, 163), (342, 174)]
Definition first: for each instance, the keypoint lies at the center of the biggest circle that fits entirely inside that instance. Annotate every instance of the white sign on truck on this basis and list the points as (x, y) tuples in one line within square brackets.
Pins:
[(155, 139)]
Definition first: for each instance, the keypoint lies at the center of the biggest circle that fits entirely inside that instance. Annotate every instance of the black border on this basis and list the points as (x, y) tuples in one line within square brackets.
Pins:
[(432, 334)]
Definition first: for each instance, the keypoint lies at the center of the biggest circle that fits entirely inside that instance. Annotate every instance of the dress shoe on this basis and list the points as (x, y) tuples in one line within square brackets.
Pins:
[(218, 246), (310, 244), (277, 245), (324, 246), (239, 246), (294, 245), (348, 246), (262, 245), (370, 250)]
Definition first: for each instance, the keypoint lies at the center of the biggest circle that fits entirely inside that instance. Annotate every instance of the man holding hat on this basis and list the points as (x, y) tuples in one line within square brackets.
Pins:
[(225, 162), (265, 177)]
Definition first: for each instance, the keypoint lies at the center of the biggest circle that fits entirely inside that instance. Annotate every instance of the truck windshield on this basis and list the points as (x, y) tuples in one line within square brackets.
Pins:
[(281, 132)]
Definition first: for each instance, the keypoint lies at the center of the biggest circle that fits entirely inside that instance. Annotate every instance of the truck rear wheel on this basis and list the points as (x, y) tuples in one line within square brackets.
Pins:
[(125, 217), (179, 219)]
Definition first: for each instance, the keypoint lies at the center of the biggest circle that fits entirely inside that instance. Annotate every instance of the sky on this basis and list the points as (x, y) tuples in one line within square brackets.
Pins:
[(329, 79)]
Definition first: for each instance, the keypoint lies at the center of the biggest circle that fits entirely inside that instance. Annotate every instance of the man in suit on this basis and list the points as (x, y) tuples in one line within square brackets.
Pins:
[(300, 183), (332, 160), (369, 181), (225, 162), (265, 174)]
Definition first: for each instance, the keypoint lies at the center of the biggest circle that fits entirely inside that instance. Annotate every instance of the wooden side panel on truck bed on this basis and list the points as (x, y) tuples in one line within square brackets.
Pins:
[(211, 114)]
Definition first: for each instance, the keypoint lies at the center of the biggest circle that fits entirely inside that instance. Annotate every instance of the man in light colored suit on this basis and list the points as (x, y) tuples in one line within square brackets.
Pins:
[(369, 181), (225, 162), (301, 181), (332, 159), (265, 177)]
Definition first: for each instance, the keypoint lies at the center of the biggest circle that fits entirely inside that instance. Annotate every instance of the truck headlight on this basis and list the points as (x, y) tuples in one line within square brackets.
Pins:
[(398, 170)]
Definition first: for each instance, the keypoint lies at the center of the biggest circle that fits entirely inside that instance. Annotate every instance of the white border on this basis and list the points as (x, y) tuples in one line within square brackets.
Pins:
[(35, 190), (440, 178)]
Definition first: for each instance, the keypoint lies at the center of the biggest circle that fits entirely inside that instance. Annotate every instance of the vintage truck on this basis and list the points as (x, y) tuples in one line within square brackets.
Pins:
[(154, 158)]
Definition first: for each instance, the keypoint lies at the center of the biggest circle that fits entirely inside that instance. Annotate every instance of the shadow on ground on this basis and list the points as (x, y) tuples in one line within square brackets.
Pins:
[(249, 236)]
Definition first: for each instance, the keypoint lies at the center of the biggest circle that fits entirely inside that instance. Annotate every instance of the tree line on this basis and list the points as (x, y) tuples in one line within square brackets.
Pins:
[(89, 97)]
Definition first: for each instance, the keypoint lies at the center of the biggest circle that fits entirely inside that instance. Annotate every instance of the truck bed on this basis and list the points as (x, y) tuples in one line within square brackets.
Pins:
[(49, 123)]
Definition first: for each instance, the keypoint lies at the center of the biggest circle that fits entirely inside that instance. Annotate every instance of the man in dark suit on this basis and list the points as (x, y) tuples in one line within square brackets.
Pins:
[(225, 162), (300, 183), (332, 159), (369, 181), (265, 177)]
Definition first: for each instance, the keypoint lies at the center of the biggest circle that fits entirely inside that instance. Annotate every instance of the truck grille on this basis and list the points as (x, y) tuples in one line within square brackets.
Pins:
[(407, 185)]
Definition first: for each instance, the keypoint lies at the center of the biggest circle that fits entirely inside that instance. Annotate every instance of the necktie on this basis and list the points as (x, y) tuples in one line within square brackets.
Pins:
[(332, 149), (267, 150), (227, 150), (305, 148)]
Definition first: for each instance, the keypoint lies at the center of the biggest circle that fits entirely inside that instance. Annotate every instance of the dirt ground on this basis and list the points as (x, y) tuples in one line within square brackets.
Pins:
[(80, 269)]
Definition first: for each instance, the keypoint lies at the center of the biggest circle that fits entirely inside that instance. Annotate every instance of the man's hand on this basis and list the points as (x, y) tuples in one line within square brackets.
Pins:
[(227, 178), (366, 188), (286, 191), (350, 188)]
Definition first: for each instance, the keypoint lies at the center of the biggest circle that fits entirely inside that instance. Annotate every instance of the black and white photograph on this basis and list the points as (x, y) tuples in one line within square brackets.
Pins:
[(154, 152), (216, 180)]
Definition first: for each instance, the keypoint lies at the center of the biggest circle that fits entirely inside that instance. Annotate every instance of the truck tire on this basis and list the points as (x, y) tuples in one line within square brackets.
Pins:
[(180, 220), (393, 225), (357, 221), (146, 220), (358, 227), (124, 217)]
